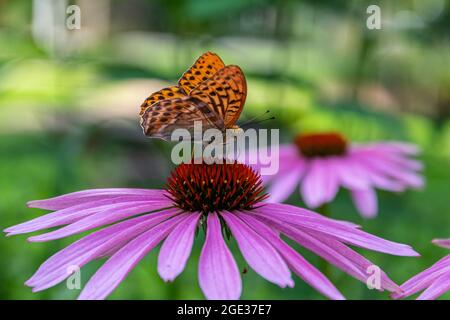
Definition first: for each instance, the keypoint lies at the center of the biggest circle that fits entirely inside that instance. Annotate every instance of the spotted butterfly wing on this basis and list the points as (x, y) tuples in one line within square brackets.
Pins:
[(225, 92), (204, 68), (208, 92), (165, 116), (163, 94)]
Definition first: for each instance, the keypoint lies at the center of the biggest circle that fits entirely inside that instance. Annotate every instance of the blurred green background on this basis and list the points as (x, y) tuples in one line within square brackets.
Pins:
[(69, 102)]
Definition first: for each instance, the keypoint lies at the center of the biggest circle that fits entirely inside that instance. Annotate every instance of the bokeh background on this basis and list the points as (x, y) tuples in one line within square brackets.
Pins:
[(69, 101)]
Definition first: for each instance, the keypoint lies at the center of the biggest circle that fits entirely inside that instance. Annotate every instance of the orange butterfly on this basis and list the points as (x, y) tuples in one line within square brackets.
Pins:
[(209, 92)]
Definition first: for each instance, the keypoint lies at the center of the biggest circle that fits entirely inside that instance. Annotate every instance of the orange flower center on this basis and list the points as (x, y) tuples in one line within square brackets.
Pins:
[(321, 144), (214, 187)]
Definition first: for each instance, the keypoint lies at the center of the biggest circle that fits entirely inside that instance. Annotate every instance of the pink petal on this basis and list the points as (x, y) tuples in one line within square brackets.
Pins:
[(258, 252), (334, 252), (358, 260), (79, 197), (395, 146), (381, 180), (444, 243), (283, 185), (424, 278), (297, 263), (299, 213), (402, 161), (349, 173), (218, 273), (339, 231), (366, 202), (440, 286), (399, 173), (176, 248), (111, 274), (288, 157), (104, 217), (77, 212), (323, 250), (320, 184), (54, 270)]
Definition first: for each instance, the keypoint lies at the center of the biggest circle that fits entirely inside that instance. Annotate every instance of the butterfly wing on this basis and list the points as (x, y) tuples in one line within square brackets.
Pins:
[(163, 94), (208, 92), (162, 117), (225, 93), (204, 68)]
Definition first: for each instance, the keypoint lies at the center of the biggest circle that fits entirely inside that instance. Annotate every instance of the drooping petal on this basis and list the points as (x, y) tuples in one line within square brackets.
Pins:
[(258, 252), (381, 180), (440, 286), (444, 243), (176, 248), (401, 161), (404, 176), (111, 274), (366, 202), (77, 212), (283, 185), (349, 174), (366, 267), (424, 278), (323, 250), (297, 263), (299, 213), (395, 146), (339, 231), (287, 159), (319, 185), (55, 269), (79, 197), (218, 273), (101, 218), (334, 252)]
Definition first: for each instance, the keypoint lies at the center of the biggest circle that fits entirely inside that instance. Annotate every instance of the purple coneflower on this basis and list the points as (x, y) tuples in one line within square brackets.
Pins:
[(435, 281), (222, 198), (323, 162)]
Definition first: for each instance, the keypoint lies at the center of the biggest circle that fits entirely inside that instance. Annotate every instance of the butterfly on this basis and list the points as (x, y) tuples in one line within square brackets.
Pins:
[(208, 91)]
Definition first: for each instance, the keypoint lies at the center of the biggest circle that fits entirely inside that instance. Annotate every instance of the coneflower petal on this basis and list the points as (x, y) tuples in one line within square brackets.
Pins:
[(285, 184), (366, 202), (79, 197), (349, 173), (258, 252), (176, 249), (336, 253), (116, 268), (218, 274), (381, 180), (300, 213), (444, 243), (407, 177), (57, 267), (440, 286), (343, 233), (101, 218), (319, 185), (424, 278), (297, 263), (395, 146), (77, 212)]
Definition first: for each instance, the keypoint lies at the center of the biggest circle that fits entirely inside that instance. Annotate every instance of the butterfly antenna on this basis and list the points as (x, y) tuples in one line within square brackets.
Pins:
[(256, 118), (258, 121)]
